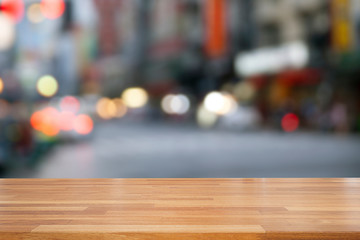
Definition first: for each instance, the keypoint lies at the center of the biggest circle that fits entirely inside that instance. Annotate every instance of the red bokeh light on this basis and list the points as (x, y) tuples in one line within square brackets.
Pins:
[(83, 124), (70, 104), (52, 9), (290, 122), (14, 8)]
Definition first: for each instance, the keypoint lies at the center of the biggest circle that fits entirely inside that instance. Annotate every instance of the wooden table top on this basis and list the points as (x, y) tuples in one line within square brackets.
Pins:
[(180, 209)]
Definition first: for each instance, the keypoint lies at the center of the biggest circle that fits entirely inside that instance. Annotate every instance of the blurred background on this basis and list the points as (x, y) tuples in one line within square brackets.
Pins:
[(180, 88)]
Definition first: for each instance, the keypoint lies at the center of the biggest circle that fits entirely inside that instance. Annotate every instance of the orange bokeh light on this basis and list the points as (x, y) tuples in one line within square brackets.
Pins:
[(83, 124), (49, 123), (46, 121), (290, 122), (52, 9), (50, 130), (36, 119)]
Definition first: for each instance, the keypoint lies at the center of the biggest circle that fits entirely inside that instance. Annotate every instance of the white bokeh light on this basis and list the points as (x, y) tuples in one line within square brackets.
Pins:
[(220, 103), (205, 118), (175, 104), (214, 102), (7, 32)]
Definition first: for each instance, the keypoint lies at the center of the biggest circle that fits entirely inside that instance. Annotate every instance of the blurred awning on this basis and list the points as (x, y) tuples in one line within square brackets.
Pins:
[(301, 77)]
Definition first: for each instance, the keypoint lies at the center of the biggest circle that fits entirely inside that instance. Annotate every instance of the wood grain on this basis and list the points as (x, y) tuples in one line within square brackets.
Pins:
[(261, 209)]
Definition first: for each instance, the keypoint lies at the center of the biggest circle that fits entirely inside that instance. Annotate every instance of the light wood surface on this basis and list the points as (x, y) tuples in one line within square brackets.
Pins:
[(180, 209)]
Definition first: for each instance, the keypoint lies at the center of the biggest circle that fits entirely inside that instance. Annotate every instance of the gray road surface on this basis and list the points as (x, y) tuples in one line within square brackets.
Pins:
[(159, 150)]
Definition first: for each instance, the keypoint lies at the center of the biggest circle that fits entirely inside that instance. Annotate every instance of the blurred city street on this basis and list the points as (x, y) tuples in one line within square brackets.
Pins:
[(170, 150), (180, 88)]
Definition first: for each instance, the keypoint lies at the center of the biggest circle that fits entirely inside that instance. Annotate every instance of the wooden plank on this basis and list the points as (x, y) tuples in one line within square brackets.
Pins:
[(253, 209)]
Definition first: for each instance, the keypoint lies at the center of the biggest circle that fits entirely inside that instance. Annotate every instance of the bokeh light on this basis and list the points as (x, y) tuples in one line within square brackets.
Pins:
[(205, 118), (46, 121), (101, 106), (106, 108), (35, 120), (220, 103), (70, 104), (50, 121), (1, 85), (166, 103), (7, 33), (290, 122), (47, 86), (214, 101), (121, 108), (83, 124), (52, 9), (34, 13), (175, 104), (135, 97), (229, 105), (13, 8), (111, 108), (66, 120)]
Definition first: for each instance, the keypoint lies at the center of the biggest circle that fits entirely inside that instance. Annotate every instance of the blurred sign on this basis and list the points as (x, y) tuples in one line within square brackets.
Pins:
[(341, 32), (215, 23), (108, 29), (272, 60)]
